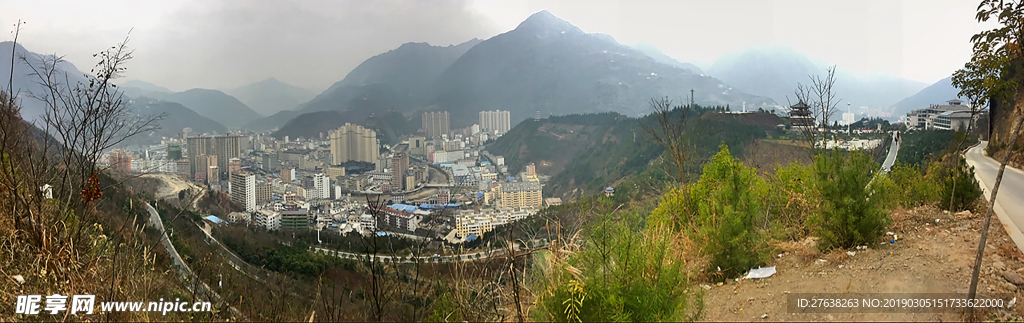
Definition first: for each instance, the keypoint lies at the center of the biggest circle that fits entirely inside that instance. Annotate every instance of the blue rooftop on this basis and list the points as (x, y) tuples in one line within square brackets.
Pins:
[(437, 206), (215, 220), (403, 207)]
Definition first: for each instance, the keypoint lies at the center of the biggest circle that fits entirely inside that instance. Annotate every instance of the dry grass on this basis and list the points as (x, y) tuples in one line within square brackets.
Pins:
[(115, 258), (1008, 250), (806, 249)]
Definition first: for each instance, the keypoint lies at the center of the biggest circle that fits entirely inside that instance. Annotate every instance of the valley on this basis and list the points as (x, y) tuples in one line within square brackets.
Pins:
[(501, 161)]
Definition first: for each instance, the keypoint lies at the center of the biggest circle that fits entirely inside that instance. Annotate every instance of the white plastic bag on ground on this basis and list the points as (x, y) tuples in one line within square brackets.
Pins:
[(764, 272)]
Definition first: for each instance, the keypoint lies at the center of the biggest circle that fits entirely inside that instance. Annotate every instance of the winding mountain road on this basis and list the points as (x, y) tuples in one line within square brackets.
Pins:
[(1010, 202), (192, 281)]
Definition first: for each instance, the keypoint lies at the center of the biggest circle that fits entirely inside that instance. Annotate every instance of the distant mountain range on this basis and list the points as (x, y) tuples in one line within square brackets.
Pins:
[(937, 93), (660, 57), (25, 84), (216, 105), (775, 73), (399, 78), (544, 64), (547, 64), (270, 96), (213, 104), (137, 88), (175, 118), (145, 98)]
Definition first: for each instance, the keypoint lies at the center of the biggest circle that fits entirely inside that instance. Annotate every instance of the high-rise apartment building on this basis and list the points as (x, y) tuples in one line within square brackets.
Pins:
[(200, 166), (195, 147), (399, 164), (496, 122), (435, 123), (321, 187), (286, 175), (224, 147), (121, 160), (243, 190), (234, 166), (213, 173), (264, 192), (353, 143), (227, 148)]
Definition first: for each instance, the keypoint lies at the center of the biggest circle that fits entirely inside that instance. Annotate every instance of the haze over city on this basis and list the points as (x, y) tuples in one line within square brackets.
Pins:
[(226, 44)]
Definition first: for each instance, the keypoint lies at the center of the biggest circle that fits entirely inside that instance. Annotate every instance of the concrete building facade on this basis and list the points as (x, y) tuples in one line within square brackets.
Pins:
[(321, 187), (496, 122), (243, 190), (269, 219), (953, 115), (399, 165), (482, 221), (520, 194), (224, 147), (352, 142), (435, 123)]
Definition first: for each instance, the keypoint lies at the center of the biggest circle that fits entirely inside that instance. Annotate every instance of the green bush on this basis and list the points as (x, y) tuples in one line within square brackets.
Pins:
[(791, 197), (848, 216), (960, 185), (721, 213), (921, 145), (623, 274), (912, 188)]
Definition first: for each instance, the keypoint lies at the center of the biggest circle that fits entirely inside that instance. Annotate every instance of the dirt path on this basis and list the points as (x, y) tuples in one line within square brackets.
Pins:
[(927, 258)]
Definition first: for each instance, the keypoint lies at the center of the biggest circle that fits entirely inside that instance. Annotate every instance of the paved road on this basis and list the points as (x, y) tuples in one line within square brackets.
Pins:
[(198, 289), (1010, 202), (234, 260), (890, 159)]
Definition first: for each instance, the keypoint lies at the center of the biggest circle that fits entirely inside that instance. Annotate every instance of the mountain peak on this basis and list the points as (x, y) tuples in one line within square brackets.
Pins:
[(546, 21), (415, 44), (6, 45)]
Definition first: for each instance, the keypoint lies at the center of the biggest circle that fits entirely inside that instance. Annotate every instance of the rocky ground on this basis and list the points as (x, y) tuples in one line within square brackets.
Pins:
[(160, 185), (934, 253)]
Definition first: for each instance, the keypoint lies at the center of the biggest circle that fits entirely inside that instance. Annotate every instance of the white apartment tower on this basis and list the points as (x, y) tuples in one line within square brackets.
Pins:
[(243, 190), (495, 122), (321, 187)]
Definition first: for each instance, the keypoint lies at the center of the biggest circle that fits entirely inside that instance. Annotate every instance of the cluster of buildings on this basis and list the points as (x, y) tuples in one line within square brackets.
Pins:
[(954, 115), (318, 183)]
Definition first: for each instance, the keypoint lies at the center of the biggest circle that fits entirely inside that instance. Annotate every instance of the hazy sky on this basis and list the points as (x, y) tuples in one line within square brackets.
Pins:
[(223, 44)]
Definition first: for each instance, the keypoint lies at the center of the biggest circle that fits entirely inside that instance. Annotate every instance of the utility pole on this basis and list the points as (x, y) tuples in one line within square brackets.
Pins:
[(691, 98)]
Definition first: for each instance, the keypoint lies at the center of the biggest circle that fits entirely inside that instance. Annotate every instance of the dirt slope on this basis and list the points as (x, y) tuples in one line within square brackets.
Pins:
[(927, 258)]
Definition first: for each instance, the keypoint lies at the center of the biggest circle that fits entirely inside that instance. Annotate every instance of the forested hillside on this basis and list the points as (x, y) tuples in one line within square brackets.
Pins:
[(606, 147)]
